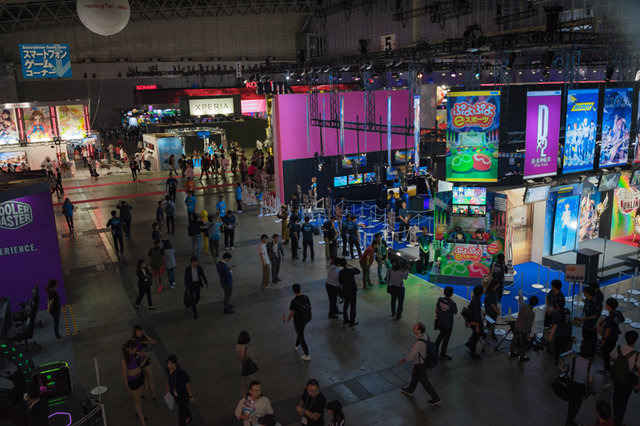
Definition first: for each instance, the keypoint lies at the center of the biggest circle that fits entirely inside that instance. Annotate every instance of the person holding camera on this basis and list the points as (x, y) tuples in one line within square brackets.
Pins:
[(395, 287), (522, 329)]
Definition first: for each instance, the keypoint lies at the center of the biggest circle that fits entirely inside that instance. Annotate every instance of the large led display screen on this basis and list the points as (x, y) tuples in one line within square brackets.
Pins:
[(616, 122), (8, 127), (13, 161), (473, 123), (37, 124), (580, 134), (565, 226), (71, 122), (542, 133)]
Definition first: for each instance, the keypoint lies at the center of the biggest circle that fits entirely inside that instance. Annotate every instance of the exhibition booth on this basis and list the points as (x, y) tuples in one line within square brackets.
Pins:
[(160, 147)]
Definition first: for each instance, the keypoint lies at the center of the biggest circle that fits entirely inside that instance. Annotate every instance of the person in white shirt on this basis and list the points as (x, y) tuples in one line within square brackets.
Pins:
[(418, 355), (622, 391), (264, 261), (253, 406)]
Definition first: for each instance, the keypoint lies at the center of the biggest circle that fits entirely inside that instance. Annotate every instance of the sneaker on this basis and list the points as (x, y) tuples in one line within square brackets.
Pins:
[(260, 215), (353, 324), (231, 248), (226, 248), (305, 358), (433, 402), (523, 358), (407, 392), (152, 308), (269, 286), (173, 285), (295, 347), (240, 211), (512, 355)]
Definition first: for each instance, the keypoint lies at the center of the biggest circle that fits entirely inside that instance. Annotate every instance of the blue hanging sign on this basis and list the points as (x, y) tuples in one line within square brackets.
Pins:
[(45, 61)]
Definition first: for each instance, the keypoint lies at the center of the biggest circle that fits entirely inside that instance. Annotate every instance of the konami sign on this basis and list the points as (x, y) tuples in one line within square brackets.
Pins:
[(215, 106)]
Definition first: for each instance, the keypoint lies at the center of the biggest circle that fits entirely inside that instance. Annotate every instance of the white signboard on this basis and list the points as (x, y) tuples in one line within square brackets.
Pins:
[(388, 42), (575, 273), (214, 106)]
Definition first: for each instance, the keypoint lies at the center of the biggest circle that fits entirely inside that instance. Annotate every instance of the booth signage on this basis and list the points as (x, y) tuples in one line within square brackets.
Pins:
[(575, 273), (580, 134), (628, 200), (493, 248), (388, 42), (146, 87), (15, 214), (542, 133), (215, 106), (467, 253), (616, 123), (45, 61)]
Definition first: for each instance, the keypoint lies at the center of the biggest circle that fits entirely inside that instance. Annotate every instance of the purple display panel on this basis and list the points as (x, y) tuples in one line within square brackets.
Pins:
[(543, 132), (29, 253)]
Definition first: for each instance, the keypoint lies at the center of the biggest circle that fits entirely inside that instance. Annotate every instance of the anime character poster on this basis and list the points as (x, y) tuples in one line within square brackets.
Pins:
[(13, 161), (37, 124), (71, 122), (473, 131), (580, 134), (626, 201), (591, 208), (616, 122), (565, 224), (8, 127), (543, 133), (636, 156)]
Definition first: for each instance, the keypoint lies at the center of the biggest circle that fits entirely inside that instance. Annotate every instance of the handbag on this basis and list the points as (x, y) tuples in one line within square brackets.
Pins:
[(562, 385), (169, 400), (186, 299), (248, 366), (436, 324)]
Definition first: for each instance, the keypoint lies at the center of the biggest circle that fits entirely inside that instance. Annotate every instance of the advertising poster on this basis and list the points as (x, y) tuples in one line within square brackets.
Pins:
[(636, 156), (592, 205), (565, 224), (13, 161), (8, 127), (542, 135), (473, 123), (71, 122), (168, 147), (616, 122), (28, 237), (626, 201), (580, 134), (37, 124)]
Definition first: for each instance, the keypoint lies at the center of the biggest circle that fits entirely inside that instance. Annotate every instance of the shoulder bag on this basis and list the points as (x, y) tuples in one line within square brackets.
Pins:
[(248, 366)]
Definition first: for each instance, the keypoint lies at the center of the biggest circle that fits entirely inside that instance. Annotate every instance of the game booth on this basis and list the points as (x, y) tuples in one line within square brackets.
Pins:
[(470, 230), (161, 146)]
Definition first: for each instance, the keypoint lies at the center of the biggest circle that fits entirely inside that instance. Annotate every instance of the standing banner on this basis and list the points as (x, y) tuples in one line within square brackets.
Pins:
[(616, 122), (473, 123), (389, 130), (341, 125), (8, 127), (416, 131), (636, 157), (543, 133), (580, 134)]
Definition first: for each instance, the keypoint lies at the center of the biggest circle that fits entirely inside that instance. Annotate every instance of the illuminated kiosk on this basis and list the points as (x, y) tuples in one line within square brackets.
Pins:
[(469, 231)]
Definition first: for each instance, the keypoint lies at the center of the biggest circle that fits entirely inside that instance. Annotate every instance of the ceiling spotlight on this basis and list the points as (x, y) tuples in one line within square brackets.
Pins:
[(453, 73)]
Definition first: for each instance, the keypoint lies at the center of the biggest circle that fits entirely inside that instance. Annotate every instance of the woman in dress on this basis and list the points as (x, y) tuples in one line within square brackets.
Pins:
[(131, 366), (142, 343)]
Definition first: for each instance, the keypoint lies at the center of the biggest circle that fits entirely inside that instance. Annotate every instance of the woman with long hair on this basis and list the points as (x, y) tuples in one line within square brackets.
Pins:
[(67, 211), (131, 365), (242, 352), (142, 343)]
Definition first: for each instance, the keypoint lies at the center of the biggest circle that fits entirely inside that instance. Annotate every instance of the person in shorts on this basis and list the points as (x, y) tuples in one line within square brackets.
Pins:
[(155, 261)]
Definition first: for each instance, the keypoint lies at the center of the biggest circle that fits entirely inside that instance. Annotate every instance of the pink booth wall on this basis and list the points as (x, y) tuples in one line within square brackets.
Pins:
[(290, 127)]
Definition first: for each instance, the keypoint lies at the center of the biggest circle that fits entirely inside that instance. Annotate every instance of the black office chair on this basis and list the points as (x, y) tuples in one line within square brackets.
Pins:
[(29, 309), (26, 334)]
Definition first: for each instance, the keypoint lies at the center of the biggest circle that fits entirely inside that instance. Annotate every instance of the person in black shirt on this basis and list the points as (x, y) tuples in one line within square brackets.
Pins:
[(445, 310), (178, 386), (597, 294), (491, 304), (307, 230), (474, 320), (294, 232), (194, 280), (561, 330), (312, 404), (589, 321), (403, 215), (300, 311), (354, 236), (347, 280), (498, 269), (53, 307), (554, 300), (330, 238), (115, 223), (610, 330), (171, 187), (38, 414), (125, 215)]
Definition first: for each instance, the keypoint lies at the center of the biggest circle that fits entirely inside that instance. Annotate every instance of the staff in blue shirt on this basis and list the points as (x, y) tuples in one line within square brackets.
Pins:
[(239, 197), (221, 206), (190, 201), (307, 230), (115, 223), (424, 241)]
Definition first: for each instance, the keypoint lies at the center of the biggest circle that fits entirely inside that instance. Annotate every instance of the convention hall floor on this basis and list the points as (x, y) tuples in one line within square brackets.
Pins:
[(358, 366)]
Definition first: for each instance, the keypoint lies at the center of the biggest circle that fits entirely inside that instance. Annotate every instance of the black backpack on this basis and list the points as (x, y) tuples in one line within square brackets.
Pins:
[(194, 228), (304, 310), (432, 353)]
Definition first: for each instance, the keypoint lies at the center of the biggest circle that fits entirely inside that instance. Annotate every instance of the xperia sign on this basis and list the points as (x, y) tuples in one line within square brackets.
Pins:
[(213, 106)]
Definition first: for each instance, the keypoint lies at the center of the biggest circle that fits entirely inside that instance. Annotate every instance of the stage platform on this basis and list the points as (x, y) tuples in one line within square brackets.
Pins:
[(615, 258)]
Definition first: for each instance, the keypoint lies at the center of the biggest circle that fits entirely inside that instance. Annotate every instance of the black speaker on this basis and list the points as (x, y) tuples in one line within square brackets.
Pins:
[(589, 258)]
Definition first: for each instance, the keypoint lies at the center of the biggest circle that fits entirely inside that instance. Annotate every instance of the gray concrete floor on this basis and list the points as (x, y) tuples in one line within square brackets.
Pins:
[(358, 366)]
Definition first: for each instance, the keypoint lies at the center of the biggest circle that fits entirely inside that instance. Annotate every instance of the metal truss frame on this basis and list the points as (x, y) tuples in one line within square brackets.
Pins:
[(45, 15)]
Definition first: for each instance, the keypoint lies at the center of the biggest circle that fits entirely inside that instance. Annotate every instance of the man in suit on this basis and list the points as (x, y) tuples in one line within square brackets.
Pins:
[(194, 280), (346, 278), (226, 280), (276, 253)]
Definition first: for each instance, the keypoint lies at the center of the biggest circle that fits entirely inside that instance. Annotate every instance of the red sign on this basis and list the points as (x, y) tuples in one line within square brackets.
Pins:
[(146, 87), (467, 253), (251, 84), (493, 248), (480, 114)]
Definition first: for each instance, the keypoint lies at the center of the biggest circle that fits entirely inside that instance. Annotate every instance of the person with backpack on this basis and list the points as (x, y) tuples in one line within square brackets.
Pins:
[(171, 187), (115, 223), (300, 311), (155, 261), (194, 231), (67, 211), (422, 358), (624, 372), (522, 329), (170, 211), (610, 326)]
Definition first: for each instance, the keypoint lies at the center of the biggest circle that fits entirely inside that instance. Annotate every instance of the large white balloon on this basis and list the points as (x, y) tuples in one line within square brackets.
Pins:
[(104, 17)]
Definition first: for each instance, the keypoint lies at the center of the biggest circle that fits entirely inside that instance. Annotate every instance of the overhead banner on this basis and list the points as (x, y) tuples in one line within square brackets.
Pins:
[(37, 124), (543, 133), (616, 122), (473, 123), (71, 122), (416, 131), (45, 61), (580, 134), (636, 157)]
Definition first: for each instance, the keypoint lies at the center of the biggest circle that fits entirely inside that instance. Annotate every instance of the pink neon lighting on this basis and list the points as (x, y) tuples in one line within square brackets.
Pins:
[(61, 413)]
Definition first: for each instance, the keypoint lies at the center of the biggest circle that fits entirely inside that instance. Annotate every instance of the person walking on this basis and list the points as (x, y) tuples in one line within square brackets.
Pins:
[(243, 353), (626, 365), (67, 211), (133, 165), (253, 406), (131, 366), (115, 223), (195, 232), (178, 385), (142, 346), (300, 311), (170, 262), (418, 355), (190, 201), (155, 261), (205, 164), (144, 284), (225, 273), (312, 404), (276, 253), (264, 261), (238, 192), (522, 329), (333, 287), (194, 280), (54, 307), (446, 308), (366, 260), (229, 226), (307, 230), (395, 286), (125, 214), (213, 232), (171, 187), (347, 280), (170, 211), (474, 320)]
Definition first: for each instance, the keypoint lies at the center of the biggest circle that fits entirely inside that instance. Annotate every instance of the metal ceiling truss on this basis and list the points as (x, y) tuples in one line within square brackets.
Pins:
[(33, 16)]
